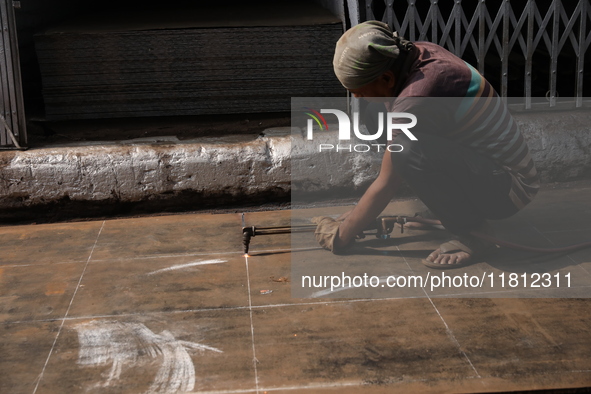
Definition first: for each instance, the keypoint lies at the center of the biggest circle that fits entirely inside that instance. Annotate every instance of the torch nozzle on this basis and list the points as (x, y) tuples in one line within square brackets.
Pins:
[(247, 234)]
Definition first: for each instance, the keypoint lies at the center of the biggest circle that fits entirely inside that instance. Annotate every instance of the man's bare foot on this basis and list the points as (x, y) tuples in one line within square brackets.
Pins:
[(459, 252), (448, 259)]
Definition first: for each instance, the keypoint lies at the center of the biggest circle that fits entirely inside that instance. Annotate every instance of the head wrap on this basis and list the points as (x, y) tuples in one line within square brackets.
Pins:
[(365, 52)]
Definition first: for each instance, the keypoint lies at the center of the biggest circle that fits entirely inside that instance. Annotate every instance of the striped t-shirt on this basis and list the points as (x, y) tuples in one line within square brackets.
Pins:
[(451, 99)]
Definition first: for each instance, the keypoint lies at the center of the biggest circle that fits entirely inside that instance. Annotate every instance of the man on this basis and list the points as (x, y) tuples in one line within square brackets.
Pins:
[(469, 163)]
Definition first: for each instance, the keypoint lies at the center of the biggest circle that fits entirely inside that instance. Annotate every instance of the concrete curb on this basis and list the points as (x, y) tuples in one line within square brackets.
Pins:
[(139, 170), (559, 142)]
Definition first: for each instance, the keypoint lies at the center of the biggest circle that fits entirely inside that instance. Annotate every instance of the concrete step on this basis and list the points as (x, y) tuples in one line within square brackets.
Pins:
[(236, 169)]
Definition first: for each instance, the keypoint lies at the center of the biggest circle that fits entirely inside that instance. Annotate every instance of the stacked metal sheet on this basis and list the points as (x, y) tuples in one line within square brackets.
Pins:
[(166, 65)]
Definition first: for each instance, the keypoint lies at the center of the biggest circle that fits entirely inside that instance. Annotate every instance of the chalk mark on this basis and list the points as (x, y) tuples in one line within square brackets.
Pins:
[(255, 361), (40, 377), (450, 333), (125, 345), (187, 265)]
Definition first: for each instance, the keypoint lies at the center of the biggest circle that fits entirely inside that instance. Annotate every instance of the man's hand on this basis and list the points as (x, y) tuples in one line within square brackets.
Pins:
[(334, 235), (371, 204), (326, 233), (371, 226)]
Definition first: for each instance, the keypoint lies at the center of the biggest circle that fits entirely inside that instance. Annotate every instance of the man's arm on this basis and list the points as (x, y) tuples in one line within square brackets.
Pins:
[(372, 203)]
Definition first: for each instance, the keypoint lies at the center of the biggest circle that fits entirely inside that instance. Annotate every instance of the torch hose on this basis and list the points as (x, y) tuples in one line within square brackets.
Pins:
[(507, 244)]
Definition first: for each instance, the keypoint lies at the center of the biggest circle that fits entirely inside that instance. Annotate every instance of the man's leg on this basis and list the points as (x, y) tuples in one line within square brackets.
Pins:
[(459, 185)]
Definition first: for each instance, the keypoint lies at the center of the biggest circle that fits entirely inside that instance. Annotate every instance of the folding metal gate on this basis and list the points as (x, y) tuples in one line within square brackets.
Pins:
[(13, 134), (497, 28)]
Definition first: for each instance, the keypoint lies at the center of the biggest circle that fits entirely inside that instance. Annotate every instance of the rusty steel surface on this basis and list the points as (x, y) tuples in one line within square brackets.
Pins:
[(169, 304)]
